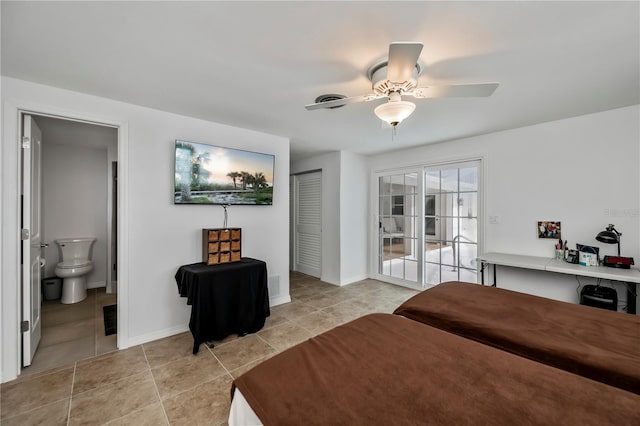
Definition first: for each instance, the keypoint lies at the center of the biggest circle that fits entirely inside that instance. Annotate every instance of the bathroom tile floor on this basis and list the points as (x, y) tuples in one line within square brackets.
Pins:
[(73, 332), (161, 382)]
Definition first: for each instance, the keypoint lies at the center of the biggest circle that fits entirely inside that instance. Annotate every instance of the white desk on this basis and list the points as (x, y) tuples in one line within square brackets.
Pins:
[(628, 276), (515, 260)]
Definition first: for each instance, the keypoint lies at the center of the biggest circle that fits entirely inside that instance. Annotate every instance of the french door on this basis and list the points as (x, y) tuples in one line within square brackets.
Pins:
[(434, 208), (451, 223), (399, 210)]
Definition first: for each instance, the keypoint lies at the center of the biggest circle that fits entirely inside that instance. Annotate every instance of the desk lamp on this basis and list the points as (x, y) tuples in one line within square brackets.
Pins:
[(610, 236)]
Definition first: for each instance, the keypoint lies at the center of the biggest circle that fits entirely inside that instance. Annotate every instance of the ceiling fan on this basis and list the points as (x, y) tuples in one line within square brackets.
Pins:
[(397, 77)]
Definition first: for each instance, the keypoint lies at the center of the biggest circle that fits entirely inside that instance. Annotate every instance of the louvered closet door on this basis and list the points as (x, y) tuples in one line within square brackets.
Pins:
[(308, 229)]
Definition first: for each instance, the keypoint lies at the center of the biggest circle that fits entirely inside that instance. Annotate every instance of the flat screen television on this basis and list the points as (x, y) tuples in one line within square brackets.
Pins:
[(209, 174)]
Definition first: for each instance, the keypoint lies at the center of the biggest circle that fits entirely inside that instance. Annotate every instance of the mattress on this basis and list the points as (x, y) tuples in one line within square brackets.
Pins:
[(595, 343), (384, 369)]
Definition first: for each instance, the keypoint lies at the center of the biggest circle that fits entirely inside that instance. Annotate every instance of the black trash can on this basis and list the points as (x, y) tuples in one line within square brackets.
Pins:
[(599, 297), (52, 288)]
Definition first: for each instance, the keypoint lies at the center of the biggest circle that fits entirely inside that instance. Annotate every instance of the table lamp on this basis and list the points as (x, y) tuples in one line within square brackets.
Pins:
[(610, 236)]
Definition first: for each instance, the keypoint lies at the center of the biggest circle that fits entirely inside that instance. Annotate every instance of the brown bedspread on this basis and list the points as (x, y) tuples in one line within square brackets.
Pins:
[(383, 369), (595, 343)]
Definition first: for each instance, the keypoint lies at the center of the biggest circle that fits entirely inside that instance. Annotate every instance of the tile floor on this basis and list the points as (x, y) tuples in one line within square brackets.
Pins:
[(161, 382), (73, 332)]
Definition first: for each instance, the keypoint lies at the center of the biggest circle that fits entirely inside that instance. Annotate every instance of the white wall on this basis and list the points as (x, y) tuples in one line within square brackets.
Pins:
[(161, 236), (354, 226), (3, 359), (74, 203), (344, 214), (330, 166), (582, 171)]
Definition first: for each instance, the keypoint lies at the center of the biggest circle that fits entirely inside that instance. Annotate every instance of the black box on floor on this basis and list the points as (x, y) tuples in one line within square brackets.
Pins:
[(599, 297)]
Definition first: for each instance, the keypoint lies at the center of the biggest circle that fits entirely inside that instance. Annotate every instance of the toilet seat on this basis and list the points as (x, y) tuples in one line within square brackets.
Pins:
[(75, 263)]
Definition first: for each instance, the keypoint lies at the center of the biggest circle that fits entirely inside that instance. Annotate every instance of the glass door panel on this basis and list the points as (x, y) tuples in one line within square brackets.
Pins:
[(451, 223), (398, 234), (428, 225)]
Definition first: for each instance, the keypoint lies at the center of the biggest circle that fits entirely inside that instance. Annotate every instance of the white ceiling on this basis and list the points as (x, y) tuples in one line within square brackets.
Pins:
[(256, 64)]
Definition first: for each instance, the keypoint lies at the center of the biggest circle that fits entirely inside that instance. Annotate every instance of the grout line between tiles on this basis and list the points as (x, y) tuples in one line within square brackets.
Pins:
[(128, 414), (268, 344), (155, 385), (22, 413), (219, 361), (73, 382), (192, 387)]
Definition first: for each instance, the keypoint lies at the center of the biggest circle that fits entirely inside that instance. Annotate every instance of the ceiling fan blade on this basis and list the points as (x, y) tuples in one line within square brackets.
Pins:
[(455, 91), (341, 102), (403, 58)]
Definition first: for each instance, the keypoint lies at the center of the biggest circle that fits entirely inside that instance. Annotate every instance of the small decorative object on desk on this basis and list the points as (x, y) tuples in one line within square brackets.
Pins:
[(221, 245), (587, 259)]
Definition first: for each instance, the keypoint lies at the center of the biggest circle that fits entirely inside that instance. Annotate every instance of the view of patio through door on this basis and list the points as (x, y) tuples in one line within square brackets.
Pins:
[(435, 208), (451, 222), (398, 226)]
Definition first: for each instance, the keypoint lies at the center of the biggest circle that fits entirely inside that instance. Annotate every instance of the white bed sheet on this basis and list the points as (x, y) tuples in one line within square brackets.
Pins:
[(241, 413)]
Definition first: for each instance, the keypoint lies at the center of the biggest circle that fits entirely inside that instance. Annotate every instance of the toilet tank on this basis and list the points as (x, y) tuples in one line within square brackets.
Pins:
[(75, 248)]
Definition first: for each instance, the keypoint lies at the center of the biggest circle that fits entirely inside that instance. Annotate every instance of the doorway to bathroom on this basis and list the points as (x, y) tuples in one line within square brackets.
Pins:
[(69, 191)]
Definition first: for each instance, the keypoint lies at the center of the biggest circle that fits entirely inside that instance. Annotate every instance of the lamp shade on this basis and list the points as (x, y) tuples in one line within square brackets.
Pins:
[(394, 112), (608, 237)]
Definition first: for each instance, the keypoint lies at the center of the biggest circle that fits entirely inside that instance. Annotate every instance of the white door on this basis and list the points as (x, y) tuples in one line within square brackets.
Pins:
[(32, 261), (308, 225), (398, 253), (451, 205)]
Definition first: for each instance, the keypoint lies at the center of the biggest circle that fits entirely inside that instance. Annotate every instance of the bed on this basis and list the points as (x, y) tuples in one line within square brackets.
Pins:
[(595, 343), (384, 369)]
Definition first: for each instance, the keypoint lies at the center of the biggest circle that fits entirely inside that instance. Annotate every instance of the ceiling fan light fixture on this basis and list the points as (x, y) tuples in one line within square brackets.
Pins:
[(394, 112)]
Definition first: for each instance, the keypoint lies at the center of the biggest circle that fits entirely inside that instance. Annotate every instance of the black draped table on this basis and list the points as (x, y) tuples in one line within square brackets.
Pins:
[(225, 299)]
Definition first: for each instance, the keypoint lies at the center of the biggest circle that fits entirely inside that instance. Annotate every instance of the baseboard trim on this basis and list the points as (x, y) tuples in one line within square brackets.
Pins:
[(329, 281), (156, 335), (279, 300), (354, 279), (168, 332), (96, 284)]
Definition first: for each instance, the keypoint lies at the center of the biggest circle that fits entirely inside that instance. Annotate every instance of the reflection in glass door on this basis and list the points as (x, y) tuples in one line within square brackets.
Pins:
[(451, 223), (398, 254)]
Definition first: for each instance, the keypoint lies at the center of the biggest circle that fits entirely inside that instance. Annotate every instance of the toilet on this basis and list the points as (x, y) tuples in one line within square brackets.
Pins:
[(75, 264)]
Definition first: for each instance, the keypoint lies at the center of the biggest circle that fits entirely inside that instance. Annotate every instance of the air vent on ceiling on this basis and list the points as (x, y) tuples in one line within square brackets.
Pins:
[(330, 97)]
